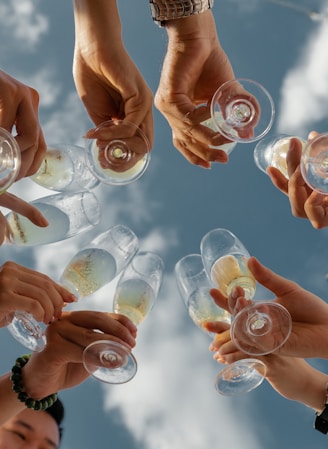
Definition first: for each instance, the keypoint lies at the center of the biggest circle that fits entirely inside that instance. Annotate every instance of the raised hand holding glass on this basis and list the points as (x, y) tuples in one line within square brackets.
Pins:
[(194, 286), (92, 267), (262, 326), (135, 295)]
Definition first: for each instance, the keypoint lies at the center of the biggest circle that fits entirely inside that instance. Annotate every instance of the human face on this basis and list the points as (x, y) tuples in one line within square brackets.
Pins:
[(30, 429)]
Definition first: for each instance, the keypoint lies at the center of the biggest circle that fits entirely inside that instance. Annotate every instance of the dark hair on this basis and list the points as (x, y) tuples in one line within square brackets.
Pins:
[(57, 411)]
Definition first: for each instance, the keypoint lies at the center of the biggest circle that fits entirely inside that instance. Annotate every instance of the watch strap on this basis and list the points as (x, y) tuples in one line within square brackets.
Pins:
[(163, 10), (321, 419)]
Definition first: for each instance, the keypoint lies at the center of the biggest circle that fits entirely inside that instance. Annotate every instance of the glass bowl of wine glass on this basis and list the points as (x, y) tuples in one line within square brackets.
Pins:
[(120, 154)]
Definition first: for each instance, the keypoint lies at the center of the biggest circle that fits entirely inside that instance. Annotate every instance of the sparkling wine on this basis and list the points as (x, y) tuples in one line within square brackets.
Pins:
[(64, 170), (279, 155), (202, 308), (88, 271), (230, 271), (117, 172), (24, 232), (133, 298)]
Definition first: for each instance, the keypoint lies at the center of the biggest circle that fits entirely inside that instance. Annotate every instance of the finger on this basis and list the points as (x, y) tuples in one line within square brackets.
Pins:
[(316, 209), (294, 155), (298, 193), (190, 156), (266, 277), (37, 156), (219, 299), (217, 327), (312, 135), (24, 208), (119, 326), (278, 179)]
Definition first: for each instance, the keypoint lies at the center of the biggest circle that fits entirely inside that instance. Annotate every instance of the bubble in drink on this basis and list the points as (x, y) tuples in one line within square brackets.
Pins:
[(230, 271), (133, 298), (24, 232), (56, 170), (60, 172), (202, 308), (88, 271)]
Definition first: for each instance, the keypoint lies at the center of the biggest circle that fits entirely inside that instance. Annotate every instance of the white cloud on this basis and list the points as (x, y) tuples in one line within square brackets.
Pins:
[(304, 92), (23, 22)]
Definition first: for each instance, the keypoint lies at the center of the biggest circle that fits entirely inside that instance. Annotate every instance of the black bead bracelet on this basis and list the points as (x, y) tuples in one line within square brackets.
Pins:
[(16, 379)]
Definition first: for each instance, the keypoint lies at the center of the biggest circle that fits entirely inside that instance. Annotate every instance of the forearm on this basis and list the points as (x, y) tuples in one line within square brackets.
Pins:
[(97, 26), (296, 380), (10, 405)]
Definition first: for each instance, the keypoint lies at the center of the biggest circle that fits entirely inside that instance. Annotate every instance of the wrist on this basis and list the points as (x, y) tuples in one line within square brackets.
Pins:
[(96, 26), (163, 11), (18, 386), (193, 27)]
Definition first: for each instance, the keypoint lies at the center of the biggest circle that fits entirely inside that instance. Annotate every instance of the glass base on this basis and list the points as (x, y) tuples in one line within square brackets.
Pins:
[(261, 328), (109, 362), (240, 377), (27, 331)]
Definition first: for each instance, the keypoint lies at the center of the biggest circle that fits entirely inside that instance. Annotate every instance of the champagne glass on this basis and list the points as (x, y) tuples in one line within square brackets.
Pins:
[(314, 159), (10, 160), (194, 286), (242, 110), (64, 169), (68, 214), (272, 152), (262, 326), (202, 115), (135, 295), (92, 267), (314, 163), (122, 156)]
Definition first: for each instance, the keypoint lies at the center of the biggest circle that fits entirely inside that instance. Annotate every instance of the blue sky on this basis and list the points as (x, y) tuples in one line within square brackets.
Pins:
[(172, 402)]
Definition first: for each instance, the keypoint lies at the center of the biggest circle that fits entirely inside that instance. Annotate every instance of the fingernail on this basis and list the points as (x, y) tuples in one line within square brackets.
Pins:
[(234, 293), (70, 298), (43, 221), (90, 133)]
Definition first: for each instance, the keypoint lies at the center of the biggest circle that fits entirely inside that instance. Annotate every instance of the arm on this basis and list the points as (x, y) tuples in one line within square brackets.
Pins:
[(304, 202), (195, 65), (59, 366), (107, 80), (19, 108)]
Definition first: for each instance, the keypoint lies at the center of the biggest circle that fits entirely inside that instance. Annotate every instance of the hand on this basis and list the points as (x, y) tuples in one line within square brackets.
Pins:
[(107, 80), (308, 386), (194, 67), (30, 291), (19, 108), (59, 366), (304, 202), (309, 312), (10, 201)]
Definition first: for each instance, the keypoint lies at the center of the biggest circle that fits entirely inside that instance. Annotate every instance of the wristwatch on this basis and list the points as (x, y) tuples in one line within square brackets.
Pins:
[(321, 419), (163, 10)]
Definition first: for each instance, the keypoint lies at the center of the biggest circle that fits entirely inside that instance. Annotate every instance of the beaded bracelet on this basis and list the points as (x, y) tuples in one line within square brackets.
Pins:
[(16, 379)]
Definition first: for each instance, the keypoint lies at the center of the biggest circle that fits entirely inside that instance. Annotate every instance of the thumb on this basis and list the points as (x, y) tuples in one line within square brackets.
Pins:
[(270, 280)]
